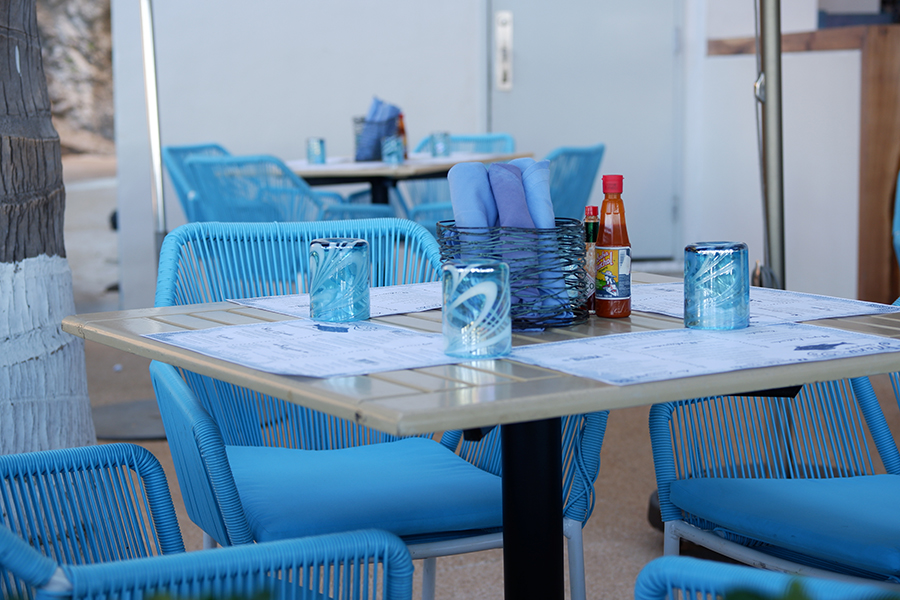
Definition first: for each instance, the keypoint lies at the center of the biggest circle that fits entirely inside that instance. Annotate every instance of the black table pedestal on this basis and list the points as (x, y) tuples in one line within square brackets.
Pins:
[(532, 510)]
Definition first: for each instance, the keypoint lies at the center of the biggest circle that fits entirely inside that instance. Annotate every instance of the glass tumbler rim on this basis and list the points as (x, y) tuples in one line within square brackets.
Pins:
[(716, 246)]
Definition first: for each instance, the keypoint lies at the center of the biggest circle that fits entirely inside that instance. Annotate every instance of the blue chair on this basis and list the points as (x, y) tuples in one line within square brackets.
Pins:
[(98, 522), (252, 467), (174, 158), (677, 577), (262, 188), (572, 175), (787, 484), (427, 201)]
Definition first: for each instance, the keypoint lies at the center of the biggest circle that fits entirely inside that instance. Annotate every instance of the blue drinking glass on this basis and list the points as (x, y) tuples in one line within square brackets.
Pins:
[(440, 143), (315, 151), (476, 320), (392, 150), (339, 279), (716, 285)]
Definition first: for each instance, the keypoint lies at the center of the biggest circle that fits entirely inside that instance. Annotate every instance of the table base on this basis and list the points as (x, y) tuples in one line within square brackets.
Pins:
[(532, 510)]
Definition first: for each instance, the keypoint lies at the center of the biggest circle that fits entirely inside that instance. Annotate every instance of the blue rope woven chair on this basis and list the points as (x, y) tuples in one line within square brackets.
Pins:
[(788, 484), (98, 522), (87, 505), (256, 189), (427, 201), (174, 158), (676, 577), (243, 459), (572, 175)]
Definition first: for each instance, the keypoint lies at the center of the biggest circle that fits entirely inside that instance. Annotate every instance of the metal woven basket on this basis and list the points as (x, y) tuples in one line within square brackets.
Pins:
[(368, 136), (547, 279)]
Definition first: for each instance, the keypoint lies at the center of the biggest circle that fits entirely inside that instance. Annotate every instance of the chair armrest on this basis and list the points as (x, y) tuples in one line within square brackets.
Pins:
[(252, 568)]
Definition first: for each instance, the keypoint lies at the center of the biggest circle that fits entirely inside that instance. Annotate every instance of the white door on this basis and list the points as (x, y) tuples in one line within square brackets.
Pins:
[(597, 71)]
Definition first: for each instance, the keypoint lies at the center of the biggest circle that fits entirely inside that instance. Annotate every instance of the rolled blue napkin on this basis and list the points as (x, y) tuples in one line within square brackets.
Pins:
[(470, 195), (381, 111), (512, 211), (536, 181), (509, 194)]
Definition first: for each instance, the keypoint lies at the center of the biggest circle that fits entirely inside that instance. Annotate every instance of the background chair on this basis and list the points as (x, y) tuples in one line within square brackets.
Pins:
[(98, 522), (427, 201), (221, 434), (788, 484), (572, 175), (674, 577), (174, 158), (262, 188)]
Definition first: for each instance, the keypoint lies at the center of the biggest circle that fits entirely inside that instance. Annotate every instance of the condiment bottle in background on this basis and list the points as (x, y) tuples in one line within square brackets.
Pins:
[(401, 133), (591, 227), (613, 249)]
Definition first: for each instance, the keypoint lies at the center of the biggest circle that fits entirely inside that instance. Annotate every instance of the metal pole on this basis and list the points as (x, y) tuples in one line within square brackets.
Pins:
[(149, 52), (770, 13)]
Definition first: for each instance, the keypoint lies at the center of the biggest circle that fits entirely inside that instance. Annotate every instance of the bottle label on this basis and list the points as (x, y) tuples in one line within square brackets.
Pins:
[(613, 272), (590, 267)]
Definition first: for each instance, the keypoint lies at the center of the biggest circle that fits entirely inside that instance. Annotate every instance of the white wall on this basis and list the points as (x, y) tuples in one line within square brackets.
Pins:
[(262, 77), (821, 158), (734, 18)]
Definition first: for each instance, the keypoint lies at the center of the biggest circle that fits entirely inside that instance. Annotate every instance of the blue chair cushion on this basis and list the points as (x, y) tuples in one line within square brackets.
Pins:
[(409, 487), (849, 520)]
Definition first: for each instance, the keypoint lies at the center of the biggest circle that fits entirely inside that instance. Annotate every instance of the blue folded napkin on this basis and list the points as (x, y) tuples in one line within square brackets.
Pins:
[(471, 197), (509, 194), (536, 181)]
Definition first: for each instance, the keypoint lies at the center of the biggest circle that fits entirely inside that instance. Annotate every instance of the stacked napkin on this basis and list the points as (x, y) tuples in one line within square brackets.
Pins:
[(514, 194), (381, 121)]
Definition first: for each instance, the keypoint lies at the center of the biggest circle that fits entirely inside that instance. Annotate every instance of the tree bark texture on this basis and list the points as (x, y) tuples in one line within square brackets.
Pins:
[(32, 197), (43, 384)]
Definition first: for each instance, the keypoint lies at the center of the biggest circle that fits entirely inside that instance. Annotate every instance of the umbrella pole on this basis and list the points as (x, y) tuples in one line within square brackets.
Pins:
[(773, 176), (149, 53)]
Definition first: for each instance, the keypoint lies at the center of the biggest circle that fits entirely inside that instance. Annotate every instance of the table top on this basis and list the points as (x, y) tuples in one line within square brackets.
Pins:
[(417, 165), (472, 394)]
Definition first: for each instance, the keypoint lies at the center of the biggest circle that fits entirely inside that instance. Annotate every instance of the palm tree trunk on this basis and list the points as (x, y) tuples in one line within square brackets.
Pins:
[(43, 387)]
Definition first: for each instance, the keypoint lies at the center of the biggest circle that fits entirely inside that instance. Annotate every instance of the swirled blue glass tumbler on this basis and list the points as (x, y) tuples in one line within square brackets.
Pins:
[(339, 279), (476, 320), (716, 285)]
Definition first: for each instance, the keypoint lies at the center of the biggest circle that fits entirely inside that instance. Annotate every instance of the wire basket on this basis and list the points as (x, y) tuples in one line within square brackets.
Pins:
[(368, 135), (547, 278)]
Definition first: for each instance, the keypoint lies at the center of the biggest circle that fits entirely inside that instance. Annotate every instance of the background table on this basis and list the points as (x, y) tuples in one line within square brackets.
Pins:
[(380, 175), (526, 400)]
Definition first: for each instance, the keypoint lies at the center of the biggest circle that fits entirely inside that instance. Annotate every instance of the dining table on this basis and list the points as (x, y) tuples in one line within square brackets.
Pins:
[(381, 175), (525, 400)]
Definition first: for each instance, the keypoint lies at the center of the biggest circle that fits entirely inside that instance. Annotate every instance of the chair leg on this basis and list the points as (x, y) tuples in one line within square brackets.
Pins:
[(208, 542), (572, 531), (671, 540), (429, 573)]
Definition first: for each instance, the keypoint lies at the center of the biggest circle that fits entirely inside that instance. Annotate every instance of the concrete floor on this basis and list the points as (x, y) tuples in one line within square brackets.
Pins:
[(618, 539)]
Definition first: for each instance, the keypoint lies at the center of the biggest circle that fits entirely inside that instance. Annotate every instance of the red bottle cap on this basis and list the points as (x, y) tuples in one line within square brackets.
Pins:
[(612, 184), (590, 211)]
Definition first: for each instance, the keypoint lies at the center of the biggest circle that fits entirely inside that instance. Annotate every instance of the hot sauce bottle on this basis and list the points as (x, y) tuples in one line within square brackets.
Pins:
[(613, 251), (591, 226)]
